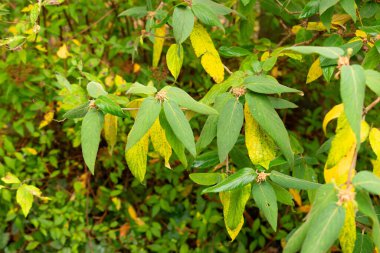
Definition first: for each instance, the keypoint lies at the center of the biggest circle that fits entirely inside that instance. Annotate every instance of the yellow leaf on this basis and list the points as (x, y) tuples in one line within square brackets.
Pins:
[(117, 203), (160, 143), (296, 196), (264, 56), (347, 235), (63, 53), (374, 140), (339, 172), (28, 8), (315, 71), (174, 59), (376, 167), (213, 66), (340, 19), (361, 34), (41, 48), (334, 113), (296, 29), (109, 81), (119, 80), (48, 117), (136, 67), (132, 213), (261, 147), (158, 44), (110, 131), (137, 158), (31, 151), (315, 26), (76, 42), (13, 30)]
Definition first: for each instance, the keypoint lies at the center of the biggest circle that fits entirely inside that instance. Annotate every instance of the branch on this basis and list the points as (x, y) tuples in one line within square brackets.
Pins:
[(371, 105), (286, 10)]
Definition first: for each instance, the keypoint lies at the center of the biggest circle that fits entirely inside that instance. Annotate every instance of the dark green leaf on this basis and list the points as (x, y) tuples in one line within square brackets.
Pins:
[(363, 243), (237, 180), (372, 79), (77, 112), (206, 178), (349, 7), (233, 51), (326, 17), (265, 198), (136, 12), (282, 195), (149, 110), (206, 14), (183, 23), (292, 182), (266, 85), (107, 105), (279, 103), (310, 9), (371, 59)]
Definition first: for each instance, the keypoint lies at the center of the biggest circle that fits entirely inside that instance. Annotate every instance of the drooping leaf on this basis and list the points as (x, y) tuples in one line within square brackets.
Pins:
[(148, 113), (136, 157), (110, 131), (159, 38), (160, 143), (325, 230), (174, 59), (266, 85), (349, 6), (213, 66), (352, 88), (205, 14), (292, 182), (237, 180), (282, 195), (233, 51), (206, 178), (181, 98), (268, 119), (266, 200), (77, 112), (95, 89), (315, 71), (334, 113), (367, 181), (92, 125), (136, 12), (229, 126), (328, 52), (374, 140), (311, 8), (326, 4), (180, 125), (261, 147), (107, 105), (183, 23), (372, 78)]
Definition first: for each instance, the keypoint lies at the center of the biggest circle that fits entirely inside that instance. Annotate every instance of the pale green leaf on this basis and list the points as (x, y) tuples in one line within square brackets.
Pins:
[(205, 178), (95, 89), (267, 85), (10, 179), (174, 59), (265, 198), (183, 23), (25, 199), (368, 181)]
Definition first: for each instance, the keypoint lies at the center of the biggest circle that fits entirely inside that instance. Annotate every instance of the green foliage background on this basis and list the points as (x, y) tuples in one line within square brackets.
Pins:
[(95, 213)]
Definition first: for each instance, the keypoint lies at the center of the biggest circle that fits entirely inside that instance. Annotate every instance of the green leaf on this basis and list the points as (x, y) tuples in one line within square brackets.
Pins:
[(279, 103), (311, 8), (95, 89), (206, 14), (92, 125), (233, 51), (181, 98), (149, 111), (206, 178), (63, 82), (367, 181), (282, 195), (372, 79), (107, 105), (138, 88), (328, 52), (326, 4), (237, 180), (235, 210), (183, 23), (296, 239), (180, 125), (136, 12), (349, 7), (371, 29), (265, 198), (292, 182), (371, 59), (25, 199), (10, 179), (352, 88), (324, 230), (326, 18), (264, 113), (267, 85), (218, 9), (174, 59), (229, 126), (77, 112), (363, 243)]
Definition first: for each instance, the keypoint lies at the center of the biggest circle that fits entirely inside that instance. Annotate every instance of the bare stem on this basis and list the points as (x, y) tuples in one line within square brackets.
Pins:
[(371, 105)]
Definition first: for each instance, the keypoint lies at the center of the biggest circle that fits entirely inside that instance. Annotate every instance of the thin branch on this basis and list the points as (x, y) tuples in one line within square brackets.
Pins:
[(227, 69), (308, 42), (97, 21), (371, 105), (286, 10)]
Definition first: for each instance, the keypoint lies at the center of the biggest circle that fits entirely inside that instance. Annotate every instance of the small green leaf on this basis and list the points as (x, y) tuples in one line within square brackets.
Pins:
[(206, 178), (352, 88), (324, 230), (292, 182), (136, 12), (92, 125), (229, 126), (326, 4), (107, 105), (77, 112), (25, 199), (206, 14), (283, 196), (264, 113), (181, 98), (138, 88), (367, 181), (180, 125), (311, 8), (328, 52), (233, 51), (10, 179), (237, 180), (349, 7), (265, 198), (279, 103), (95, 89), (372, 78), (267, 85), (174, 59), (183, 23), (149, 111)]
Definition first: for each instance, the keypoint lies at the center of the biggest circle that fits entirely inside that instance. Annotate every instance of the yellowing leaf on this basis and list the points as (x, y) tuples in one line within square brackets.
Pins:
[(10, 179), (48, 117), (158, 44), (296, 196), (374, 140), (109, 81), (261, 147), (30, 151), (340, 19), (63, 52), (25, 199), (296, 29), (132, 213), (76, 42), (264, 56), (28, 8), (361, 34), (119, 80), (376, 167), (213, 66), (41, 48), (347, 235), (315, 71), (110, 131), (334, 113), (315, 26), (117, 203), (137, 157), (174, 59), (339, 172), (136, 67), (160, 143)]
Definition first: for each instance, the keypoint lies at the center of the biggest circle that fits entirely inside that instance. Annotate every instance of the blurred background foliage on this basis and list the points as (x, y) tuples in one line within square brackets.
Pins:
[(111, 212)]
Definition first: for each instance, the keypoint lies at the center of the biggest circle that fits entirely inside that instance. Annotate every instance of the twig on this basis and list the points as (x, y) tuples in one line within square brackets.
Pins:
[(97, 21), (227, 69), (286, 10), (308, 42), (371, 105)]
